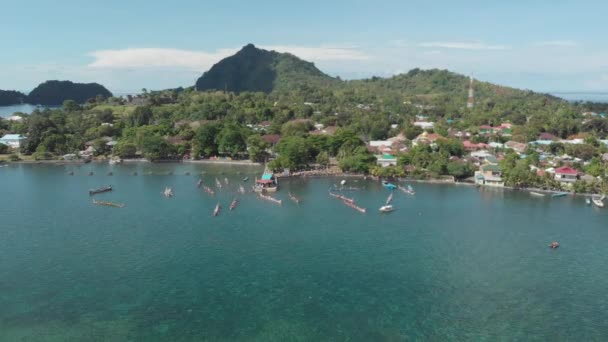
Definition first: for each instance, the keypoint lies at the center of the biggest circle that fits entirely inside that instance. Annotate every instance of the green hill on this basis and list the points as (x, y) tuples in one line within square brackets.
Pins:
[(55, 92), (258, 70), (11, 97)]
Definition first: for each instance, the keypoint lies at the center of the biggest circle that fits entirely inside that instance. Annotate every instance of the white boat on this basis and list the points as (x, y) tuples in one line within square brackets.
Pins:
[(599, 202), (218, 183), (343, 182), (226, 180), (386, 208), (241, 189), (217, 209), (233, 204), (168, 192), (389, 199), (588, 200), (538, 194)]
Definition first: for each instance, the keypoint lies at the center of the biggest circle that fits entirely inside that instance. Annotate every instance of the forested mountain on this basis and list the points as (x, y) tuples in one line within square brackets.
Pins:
[(11, 97), (258, 70), (55, 92)]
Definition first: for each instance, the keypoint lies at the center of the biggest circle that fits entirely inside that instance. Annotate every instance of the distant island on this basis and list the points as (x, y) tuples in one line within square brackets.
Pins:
[(54, 93), (11, 97)]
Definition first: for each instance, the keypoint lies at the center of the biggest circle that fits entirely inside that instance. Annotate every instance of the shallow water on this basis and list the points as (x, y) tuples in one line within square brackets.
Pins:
[(452, 263)]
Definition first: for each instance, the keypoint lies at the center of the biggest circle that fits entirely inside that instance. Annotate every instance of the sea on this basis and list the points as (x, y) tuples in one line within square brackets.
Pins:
[(6, 111), (451, 263)]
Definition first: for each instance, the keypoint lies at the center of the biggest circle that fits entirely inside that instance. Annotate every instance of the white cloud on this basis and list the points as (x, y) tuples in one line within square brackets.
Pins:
[(558, 43), (157, 57), (464, 46), (202, 60), (322, 53)]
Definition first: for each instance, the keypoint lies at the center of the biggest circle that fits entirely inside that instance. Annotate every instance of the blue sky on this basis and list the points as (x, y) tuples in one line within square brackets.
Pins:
[(128, 45)]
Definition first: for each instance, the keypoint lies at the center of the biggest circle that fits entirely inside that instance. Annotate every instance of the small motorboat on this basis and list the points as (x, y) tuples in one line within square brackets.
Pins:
[(386, 208), (100, 190), (199, 183), (226, 180), (217, 209), (537, 194), (218, 183), (233, 204), (559, 194), (599, 202), (245, 179), (588, 201), (554, 245), (241, 189), (292, 197), (388, 185), (168, 192), (343, 182)]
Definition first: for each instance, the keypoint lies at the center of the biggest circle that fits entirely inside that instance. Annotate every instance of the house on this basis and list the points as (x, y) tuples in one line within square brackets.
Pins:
[(496, 145), (470, 146), (489, 175), (516, 146), (426, 138), (486, 129), (566, 174), (547, 136), (424, 124), (386, 159), (15, 118), (12, 140)]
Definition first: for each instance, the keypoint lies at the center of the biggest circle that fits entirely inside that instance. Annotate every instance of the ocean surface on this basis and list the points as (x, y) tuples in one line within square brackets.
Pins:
[(451, 263), (6, 111)]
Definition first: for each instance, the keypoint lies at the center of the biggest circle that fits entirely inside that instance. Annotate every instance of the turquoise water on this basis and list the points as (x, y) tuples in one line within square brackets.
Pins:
[(6, 111), (452, 263)]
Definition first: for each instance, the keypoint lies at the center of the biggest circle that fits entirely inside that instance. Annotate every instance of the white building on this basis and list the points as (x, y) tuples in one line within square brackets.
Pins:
[(12, 140), (424, 124)]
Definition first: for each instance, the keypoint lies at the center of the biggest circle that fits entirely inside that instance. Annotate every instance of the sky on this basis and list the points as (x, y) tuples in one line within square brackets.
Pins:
[(549, 46)]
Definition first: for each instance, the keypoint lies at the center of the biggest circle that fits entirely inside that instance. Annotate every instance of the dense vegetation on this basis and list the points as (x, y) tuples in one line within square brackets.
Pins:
[(11, 97), (278, 126), (55, 92)]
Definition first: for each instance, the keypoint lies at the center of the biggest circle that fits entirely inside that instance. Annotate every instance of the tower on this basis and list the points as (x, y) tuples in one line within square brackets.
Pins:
[(471, 99)]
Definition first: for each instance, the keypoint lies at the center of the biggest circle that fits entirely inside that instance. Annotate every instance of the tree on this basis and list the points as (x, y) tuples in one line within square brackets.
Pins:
[(156, 148), (323, 158), (459, 169), (359, 161), (70, 106), (204, 140), (125, 149), (295, 152), (230, 140), (3, 148), (256, 147)]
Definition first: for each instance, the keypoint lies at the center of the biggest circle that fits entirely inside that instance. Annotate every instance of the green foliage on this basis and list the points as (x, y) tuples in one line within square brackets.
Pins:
[(460, 169), (3, 149), (360, 160), (253, 69), (204, 139), (257, 148), (55, 92), (11, 97), (231, 140), (125, 149), (156, 148), (294, 153), (323, 158)]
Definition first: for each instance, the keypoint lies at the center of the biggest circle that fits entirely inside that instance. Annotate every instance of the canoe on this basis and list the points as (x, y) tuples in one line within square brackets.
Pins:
[(538, 194), (559, 194), (100, 190)]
